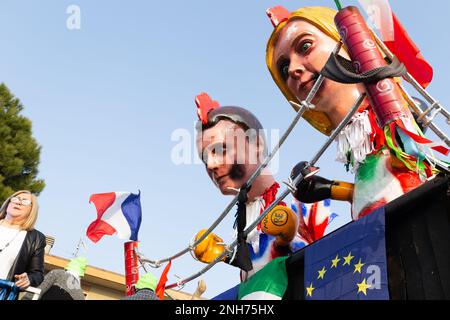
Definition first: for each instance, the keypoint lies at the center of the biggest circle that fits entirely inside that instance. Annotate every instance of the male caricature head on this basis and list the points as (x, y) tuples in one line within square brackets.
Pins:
[(230, 142)]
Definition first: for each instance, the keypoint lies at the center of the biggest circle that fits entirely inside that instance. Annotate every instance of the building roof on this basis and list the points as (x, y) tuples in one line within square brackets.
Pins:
[(104, 278)]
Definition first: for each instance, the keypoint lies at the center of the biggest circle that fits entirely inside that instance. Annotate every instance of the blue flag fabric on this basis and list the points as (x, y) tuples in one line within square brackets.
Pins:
[(349, 264), (230, 294)]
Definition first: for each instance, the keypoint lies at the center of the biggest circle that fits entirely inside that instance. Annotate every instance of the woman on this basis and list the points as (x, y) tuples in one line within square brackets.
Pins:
[(21, 246), (296, 53)]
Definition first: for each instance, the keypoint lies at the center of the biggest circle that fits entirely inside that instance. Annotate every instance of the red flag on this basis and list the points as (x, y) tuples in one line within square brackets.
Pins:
[(161, 287), (99, 228), (408, 53)]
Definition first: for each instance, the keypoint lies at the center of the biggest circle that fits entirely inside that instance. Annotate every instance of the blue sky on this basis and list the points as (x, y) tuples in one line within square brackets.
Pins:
[(105, 100)]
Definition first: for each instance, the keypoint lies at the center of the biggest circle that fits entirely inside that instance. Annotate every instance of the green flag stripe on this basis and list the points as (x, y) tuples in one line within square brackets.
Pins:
[(260, 295), (271, 279)]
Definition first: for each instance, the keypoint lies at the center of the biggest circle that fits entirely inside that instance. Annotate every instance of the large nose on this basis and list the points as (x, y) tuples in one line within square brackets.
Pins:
[(212, 163), (296, 68)]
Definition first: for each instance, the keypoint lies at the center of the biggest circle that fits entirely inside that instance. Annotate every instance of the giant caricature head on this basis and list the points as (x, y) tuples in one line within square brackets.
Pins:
[(297, 51), (230, 142)]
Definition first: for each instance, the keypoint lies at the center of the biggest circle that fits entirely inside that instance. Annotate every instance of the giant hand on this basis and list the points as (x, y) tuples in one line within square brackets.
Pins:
[(282, 223), (210, 248), (314, 188)]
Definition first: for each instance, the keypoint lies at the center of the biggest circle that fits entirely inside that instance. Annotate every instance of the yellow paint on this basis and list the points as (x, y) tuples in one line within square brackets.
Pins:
[(335, 261), (322, 273), (309, 290), (348, 259), (358, 267), (362, 287)]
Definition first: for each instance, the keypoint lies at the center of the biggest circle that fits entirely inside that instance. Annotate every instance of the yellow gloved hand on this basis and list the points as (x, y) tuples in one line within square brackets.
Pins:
[(342, 191), (209, 249), (281, 223)]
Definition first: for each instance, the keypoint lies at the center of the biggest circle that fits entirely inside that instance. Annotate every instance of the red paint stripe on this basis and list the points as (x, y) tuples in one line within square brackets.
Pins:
[(422, 140), (371, 208), (161, 287), (317, 230)]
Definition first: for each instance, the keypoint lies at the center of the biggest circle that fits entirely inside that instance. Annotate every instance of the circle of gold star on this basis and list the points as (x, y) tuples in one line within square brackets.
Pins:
[(335, 261), (309, 290), (363, 286), (321, 273), (348, 259), (358, 267)]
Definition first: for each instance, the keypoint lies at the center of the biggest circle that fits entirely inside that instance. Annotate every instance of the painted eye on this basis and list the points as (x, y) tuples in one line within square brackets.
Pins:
[(284, 70), (219, 149), (305, 46)]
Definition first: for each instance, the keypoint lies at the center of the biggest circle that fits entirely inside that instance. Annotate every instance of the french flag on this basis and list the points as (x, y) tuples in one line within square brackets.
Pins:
[(117, 213)]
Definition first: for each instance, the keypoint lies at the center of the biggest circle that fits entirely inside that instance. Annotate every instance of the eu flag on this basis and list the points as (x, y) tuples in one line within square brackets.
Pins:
[(349, 264)]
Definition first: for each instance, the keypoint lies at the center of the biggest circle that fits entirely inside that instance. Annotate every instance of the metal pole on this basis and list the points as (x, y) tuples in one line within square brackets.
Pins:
[(434, 103), (427, 123)]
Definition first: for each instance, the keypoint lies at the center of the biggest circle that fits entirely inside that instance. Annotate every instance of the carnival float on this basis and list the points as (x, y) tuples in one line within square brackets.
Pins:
[(397, 246)]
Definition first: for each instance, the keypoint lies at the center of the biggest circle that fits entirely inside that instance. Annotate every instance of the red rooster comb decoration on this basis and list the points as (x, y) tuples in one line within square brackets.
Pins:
[(278, 15), (205, 105)]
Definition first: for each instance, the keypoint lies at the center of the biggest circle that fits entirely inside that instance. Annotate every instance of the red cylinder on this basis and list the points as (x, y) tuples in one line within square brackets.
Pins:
[(386, 99), (131, 266)]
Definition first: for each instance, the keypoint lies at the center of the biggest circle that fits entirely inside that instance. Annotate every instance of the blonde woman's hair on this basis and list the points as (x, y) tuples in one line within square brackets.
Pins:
[(30, 220)]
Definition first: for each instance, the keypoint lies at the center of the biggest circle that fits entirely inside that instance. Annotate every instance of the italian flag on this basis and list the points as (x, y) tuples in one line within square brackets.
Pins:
[(269, 283)]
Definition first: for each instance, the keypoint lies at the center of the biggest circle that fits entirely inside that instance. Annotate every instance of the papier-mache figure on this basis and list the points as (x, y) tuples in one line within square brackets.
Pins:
[(145, 288), (382, 144), (232, 144)]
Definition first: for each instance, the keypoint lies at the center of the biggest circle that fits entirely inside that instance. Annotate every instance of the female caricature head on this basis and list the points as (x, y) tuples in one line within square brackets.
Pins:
[(297, 51)]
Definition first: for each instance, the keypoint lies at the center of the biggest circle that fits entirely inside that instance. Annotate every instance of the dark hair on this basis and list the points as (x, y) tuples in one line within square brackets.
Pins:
[(240, 116)]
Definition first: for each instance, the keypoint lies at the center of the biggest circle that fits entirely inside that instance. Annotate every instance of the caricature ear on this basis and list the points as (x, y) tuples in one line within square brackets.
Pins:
[(204, 105), (278, 15), (260, 144), (262, 147)]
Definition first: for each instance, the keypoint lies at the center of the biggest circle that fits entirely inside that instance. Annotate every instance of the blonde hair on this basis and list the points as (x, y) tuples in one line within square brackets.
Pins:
[(30, 221)]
